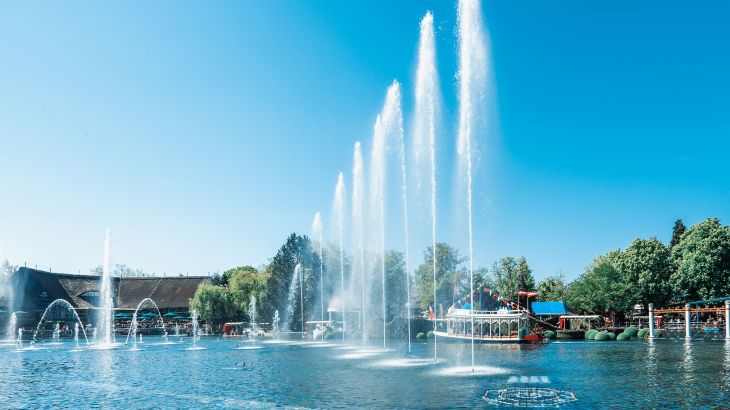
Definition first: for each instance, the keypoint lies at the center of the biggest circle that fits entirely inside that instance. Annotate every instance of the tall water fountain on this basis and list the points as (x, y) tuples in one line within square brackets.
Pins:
[(106, 321), (317, 233), (295, 290), (472, 88), (358, 231), (339, 207), (424, 136), (388, 125)]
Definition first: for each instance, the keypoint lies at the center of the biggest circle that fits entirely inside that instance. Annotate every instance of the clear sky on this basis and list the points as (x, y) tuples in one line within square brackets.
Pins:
[(202, 133)]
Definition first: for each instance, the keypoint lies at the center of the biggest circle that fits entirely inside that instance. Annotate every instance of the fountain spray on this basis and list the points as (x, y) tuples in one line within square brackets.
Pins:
[(425, 128), (340, 212), (472, 74)]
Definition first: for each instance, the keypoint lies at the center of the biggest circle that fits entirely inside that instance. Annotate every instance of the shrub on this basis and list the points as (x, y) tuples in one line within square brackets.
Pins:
[(602, 337)]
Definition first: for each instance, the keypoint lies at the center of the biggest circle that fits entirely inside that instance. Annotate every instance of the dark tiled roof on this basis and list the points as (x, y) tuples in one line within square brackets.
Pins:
[(167, 292)]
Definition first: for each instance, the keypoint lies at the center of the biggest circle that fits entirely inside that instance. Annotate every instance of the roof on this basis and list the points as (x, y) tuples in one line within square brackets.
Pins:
[(548, 308), (167, 292)]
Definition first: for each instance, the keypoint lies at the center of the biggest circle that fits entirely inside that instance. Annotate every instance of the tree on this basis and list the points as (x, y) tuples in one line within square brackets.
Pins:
[(525, 280), (601, 288), (511, 276), (449, 271), (645, 267), (212, 303), (121, 271), (552, 288), (677, 232), (278, 277), (702, 261), (243, 283), (395, 283)]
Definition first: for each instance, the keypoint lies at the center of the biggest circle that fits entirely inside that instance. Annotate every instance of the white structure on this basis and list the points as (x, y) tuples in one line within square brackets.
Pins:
[(489, 326), (687, 322)]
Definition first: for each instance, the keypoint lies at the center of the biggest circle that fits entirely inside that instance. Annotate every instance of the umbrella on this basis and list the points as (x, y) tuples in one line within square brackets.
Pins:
[(170, 314), (149, 315), (122, 316)]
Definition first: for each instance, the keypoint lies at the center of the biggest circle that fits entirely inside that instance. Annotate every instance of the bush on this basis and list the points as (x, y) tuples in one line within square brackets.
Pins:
[(429, 334), (612, 335), (631, 331), (420, 336), (590, 334), (549, 334), (602, 337), (622, 337), (642, 333)]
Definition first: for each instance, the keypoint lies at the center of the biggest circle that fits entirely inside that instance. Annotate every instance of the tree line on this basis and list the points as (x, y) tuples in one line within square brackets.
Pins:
[(694, 265)]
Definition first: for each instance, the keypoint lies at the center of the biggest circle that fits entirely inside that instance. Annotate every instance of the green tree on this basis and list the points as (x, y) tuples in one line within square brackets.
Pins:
[(449, 271), (512, 275), (601, 288), (552, 288), (244, 282), (278, 276), (395, 283), (702, 261), (645, 268), (677, 232), (212, 303)]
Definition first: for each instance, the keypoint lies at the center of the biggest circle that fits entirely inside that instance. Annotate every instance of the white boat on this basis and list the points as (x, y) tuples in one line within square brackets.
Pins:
[(503, 326)]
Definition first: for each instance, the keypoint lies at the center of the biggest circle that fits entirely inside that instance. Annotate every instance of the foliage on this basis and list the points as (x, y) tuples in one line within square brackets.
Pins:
[(244, 282), (552, 288), (395, 285), (600, 289), (122, 271), (677, 232), (512, 275), (702, 259), (449, 271), (646, 266), (212, 303)]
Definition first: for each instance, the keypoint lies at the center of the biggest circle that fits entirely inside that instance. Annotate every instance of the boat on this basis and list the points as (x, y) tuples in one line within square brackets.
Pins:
[(501, 326)]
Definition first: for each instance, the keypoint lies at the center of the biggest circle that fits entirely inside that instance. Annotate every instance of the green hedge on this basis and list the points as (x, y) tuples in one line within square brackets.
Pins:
[(623, 336), (631, 331), (429, 334), (420, 336), (602, 337), (549, 334), (612, 335), (642, 333), (590, 334)]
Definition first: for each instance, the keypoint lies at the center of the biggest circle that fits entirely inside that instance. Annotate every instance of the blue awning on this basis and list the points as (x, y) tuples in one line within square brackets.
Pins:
[(548, 308)]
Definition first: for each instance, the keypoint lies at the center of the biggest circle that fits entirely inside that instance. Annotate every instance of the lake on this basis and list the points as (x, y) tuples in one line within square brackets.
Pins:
[(636, 374)]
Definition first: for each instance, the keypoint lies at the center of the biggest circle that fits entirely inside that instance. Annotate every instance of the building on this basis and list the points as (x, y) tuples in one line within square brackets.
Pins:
[(34, 290)]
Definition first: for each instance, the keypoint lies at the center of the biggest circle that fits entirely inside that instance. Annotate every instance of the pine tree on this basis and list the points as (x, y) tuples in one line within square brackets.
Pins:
[(677, 233)]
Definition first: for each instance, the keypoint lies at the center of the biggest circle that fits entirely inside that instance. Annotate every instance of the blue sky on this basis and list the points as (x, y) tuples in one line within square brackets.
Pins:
[(202, 134)]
